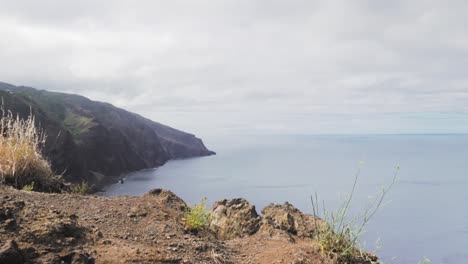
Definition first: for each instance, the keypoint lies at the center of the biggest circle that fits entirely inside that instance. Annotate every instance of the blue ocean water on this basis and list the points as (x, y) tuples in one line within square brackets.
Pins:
[(424, 214)]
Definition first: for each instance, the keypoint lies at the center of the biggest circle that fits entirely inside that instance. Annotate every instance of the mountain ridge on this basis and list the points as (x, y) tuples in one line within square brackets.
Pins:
[(95, 141)]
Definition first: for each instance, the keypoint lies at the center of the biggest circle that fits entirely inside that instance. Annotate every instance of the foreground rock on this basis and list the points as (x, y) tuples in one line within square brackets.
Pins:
[(234, 218), (65, 228), (11, 254), (284, 221)]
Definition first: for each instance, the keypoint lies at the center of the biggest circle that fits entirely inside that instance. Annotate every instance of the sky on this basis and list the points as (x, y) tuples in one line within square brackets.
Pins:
[(251, 66)]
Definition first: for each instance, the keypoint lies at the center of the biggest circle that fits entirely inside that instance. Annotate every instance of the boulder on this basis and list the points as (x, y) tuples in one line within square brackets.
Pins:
[(234, 218), (284, 220), (168, 198), (78, 257), (65, 228), (11, 254)]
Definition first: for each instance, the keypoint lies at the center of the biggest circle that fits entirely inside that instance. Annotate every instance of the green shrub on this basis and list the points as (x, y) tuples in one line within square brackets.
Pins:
[(340, 240), (82, 188), (197, 216), (28, 187)]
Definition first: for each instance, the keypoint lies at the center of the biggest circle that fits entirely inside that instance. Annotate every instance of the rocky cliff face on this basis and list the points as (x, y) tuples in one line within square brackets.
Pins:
[(95, 141)]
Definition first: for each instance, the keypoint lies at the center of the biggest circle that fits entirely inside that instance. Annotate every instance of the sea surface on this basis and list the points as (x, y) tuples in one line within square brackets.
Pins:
[(425, 214)]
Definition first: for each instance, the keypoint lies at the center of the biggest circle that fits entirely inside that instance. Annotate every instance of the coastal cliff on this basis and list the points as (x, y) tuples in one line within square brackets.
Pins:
[(94, 141)]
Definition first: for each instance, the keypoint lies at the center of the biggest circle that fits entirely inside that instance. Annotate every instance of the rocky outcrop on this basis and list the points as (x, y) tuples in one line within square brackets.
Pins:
[(237, 218), (11, 254), (168, 198), (284, 221), (76, 257), (234, 218), (95, 141)]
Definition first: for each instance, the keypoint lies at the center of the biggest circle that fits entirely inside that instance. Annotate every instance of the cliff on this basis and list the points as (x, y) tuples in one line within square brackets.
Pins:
[(96, 141)]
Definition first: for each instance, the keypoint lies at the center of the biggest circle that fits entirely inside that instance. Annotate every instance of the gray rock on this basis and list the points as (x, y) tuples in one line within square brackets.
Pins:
[(234, 218), (290, 221)]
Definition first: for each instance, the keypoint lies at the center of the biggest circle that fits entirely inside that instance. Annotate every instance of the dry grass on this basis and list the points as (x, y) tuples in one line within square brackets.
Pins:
[(21, 161), (217, 258)]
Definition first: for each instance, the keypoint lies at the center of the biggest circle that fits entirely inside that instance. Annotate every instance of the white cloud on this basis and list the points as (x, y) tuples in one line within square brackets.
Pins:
[(281, 66)]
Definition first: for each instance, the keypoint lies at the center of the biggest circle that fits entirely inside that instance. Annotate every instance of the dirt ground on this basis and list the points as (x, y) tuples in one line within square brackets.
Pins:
[(67, 228)]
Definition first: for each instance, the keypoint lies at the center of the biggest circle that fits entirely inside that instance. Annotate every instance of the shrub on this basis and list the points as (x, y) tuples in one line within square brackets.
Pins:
[(21, 161), (340, 240), (197, 216), (28, 187), (82, 188)]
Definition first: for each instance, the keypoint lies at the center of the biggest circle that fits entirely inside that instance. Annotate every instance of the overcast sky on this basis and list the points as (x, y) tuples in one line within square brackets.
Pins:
[(251, 66)]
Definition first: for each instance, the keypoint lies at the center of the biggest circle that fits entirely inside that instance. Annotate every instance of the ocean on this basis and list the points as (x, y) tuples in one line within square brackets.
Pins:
[(425, 214)]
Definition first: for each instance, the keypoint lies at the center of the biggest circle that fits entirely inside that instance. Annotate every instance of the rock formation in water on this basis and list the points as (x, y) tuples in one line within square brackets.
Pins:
[(97, 142)]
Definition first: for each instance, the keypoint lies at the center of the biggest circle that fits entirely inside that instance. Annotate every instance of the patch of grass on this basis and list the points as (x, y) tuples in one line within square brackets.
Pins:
[(82, 188), (21, 160), (28, 187), (77, 124), (340, 240), (197, 216)]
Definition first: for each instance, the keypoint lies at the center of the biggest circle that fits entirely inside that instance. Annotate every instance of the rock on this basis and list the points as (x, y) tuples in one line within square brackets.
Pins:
[(78, 257), (64, 228), (288, 219), (30, 252), (11, 254), (6, 213), (168, 198), (234, 218), (10, 224)]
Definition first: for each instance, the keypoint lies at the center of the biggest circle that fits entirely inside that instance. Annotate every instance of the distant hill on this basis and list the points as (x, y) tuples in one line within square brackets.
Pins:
[(95, 141)]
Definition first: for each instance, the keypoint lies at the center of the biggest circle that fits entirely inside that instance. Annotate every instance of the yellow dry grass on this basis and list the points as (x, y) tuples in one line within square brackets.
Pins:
[(21, 161)]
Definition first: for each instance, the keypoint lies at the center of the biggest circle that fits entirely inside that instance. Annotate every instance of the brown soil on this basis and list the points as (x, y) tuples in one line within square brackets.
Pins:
[(67, 228)]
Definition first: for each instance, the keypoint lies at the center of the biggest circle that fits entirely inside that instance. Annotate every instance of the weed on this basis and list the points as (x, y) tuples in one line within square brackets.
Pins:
[(340, 239), (28, 187), (197, 216), (82, 188)]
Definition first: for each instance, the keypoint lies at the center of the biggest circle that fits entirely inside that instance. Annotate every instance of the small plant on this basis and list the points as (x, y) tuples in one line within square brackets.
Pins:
[(197, 216), (425, 261), (82, 188), (339, 239), (28, 187)]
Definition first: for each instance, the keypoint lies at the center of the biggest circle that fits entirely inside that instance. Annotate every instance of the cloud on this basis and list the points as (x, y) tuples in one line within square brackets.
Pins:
[(281, 66)]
